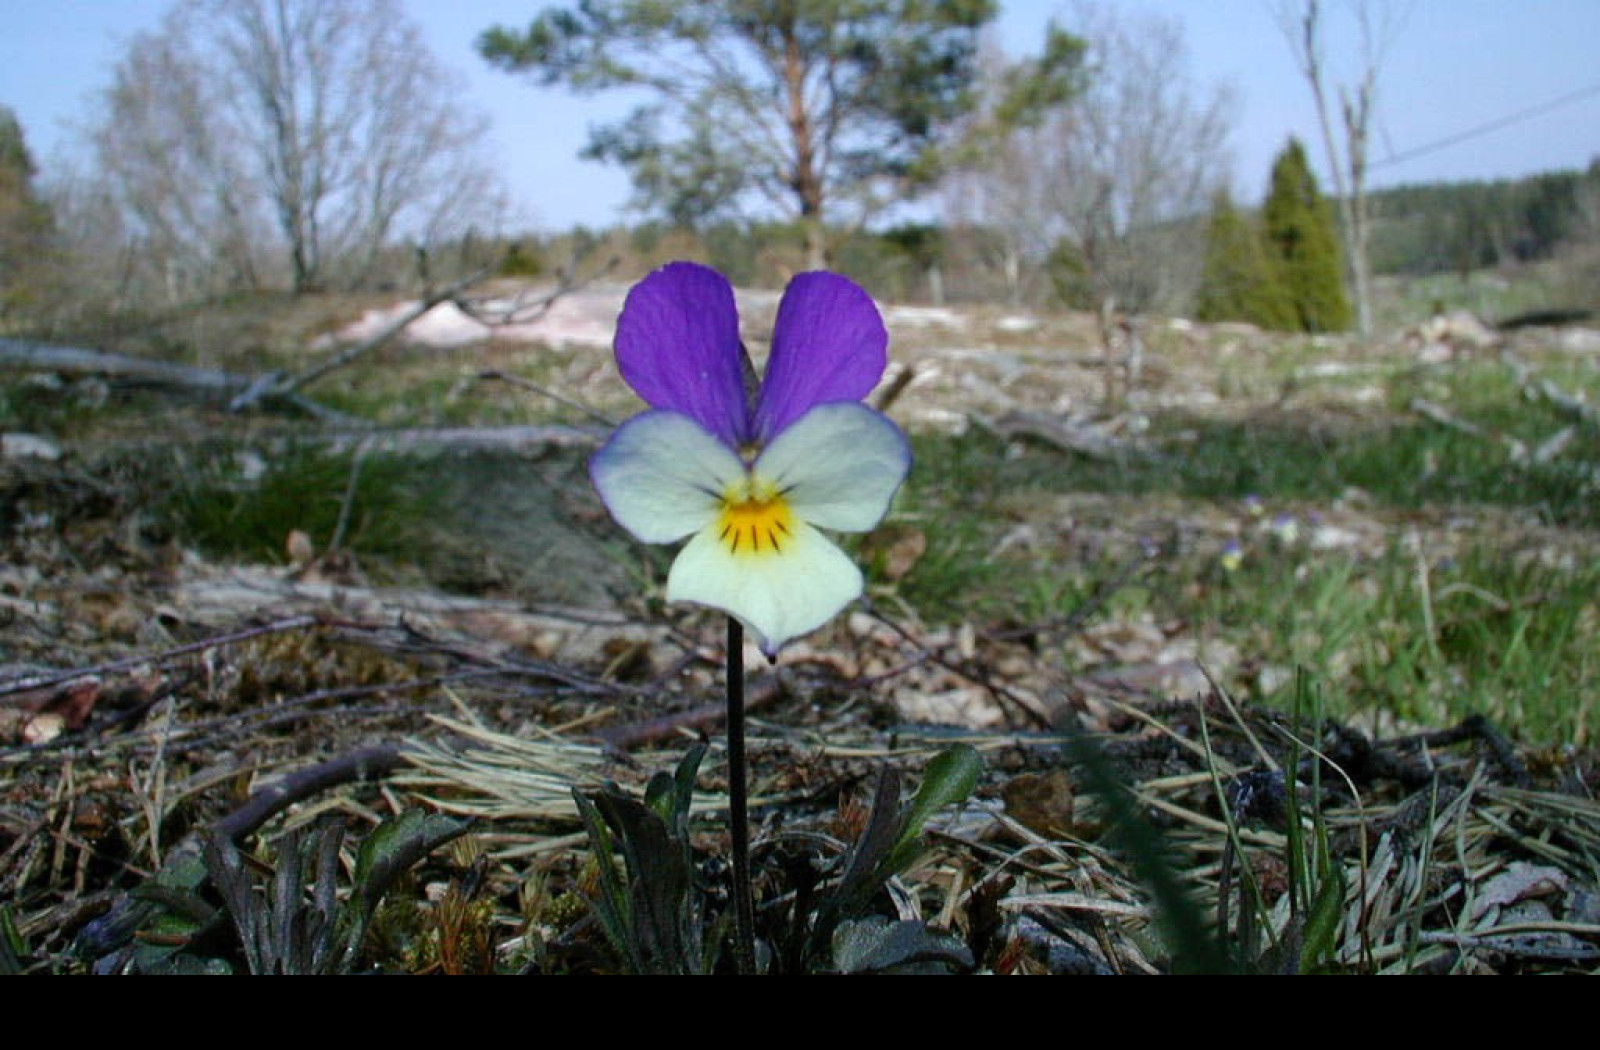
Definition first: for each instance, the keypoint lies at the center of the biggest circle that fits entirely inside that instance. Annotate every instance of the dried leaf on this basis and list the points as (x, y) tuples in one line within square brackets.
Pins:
[(1518, 882), (1042, 802), (894, 549)]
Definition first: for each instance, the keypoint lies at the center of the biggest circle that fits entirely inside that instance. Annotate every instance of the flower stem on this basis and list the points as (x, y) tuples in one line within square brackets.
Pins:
[(738, 807)]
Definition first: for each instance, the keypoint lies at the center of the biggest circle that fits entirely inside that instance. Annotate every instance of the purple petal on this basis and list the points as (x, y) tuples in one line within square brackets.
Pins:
[(828, 344), (678, 347)]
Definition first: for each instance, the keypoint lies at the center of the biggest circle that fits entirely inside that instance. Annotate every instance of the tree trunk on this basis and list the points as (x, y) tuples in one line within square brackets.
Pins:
[(1349, 169), (804, 179), (816, 242)]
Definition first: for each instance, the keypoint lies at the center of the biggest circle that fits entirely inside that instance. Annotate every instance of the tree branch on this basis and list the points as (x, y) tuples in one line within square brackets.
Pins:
[(23, 356), (288, 386)]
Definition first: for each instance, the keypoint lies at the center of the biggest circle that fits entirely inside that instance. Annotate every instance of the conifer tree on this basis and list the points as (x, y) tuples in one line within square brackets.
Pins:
[(822, 108), (1238, 282), (25, 221), (1304, 244)]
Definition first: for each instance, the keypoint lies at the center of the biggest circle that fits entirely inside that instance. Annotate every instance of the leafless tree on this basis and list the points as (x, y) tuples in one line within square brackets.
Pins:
[(993, 198), (1377, 24), (181, 179), (323, 127), (992, 215), (1110, 176)]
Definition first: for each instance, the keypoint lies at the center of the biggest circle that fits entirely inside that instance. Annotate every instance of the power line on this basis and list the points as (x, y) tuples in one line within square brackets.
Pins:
[(1486, 128)]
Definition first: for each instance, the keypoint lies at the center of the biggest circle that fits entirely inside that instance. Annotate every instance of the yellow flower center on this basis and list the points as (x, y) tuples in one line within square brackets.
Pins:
[(755, 518)]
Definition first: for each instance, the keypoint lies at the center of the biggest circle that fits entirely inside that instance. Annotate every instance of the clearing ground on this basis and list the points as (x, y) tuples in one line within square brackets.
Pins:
[(1199, 552)]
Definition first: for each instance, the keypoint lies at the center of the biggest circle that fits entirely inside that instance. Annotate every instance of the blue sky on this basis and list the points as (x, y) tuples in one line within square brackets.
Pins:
[(1454, 65)]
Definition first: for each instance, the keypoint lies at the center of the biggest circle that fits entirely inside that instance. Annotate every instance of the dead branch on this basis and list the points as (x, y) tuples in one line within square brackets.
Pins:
[(20, 356), (526, 307), (972, 670), (1066, 434), (1477, 727), (368, 763), (246, 591), (528, 384), (1540, 389), (514, 438), (897, 386), (700, 719), (291, 623), (1123, 351), (1437, 413), (281, 387), (244, 392), (210, 383)]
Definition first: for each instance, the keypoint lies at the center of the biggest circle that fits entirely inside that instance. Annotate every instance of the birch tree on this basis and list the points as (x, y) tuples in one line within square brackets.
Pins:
[(324, 128), (1113, 179)]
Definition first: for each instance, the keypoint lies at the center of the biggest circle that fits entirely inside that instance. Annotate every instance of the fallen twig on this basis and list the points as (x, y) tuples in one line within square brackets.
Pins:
[(897, 386), (706, 716), (1542, 389), (291, 623), (972, 670), (1069, 435), (528, 384), (1437, 413), (369, 763)]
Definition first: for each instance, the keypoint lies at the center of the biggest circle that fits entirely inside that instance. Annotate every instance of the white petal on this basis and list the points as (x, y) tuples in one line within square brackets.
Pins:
[(662, 476), (777, 596), (838, 465)]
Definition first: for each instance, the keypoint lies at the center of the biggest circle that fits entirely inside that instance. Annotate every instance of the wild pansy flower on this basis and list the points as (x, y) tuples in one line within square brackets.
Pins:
[(750, 476)]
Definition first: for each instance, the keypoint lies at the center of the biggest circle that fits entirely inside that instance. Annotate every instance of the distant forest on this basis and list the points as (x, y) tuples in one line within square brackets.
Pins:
[(1462, 226), (1418, 230)]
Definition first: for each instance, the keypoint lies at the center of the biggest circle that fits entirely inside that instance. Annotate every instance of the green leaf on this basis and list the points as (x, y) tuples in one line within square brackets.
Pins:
[(672, 795), (649, 912), (397, 844), (1322, 925), (660, 795), (13, 949), (950, 777), (660, 884), (876, 945), (865, 872), (688, 770), (612, 909)]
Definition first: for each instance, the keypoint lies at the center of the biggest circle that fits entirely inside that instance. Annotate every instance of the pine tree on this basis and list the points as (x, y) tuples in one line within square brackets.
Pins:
[(825, 108), (1238, 282), (1304, 244)]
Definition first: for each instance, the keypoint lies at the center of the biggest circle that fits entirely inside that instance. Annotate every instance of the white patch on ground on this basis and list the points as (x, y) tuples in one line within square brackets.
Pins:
[(587, 317), (1579, 340), (923, 316), (28, 446)]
